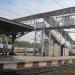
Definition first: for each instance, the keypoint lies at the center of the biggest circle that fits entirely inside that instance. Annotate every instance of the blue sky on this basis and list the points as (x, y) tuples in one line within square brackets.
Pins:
[(17, 8), (5, 7), (7, 4)]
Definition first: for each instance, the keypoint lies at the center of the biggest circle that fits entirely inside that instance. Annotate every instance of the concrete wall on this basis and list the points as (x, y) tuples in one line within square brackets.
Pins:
[(55, 51), (51, 51), (66, 52)]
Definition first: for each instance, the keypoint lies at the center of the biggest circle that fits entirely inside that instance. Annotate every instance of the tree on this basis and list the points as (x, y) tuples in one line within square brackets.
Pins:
[(24, 44)]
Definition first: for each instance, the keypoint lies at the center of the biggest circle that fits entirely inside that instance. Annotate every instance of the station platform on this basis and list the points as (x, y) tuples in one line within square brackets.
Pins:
[(21, 62)]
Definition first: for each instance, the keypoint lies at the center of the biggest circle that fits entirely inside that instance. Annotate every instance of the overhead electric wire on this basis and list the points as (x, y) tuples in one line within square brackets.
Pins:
[(6, 14), (64, 3), (22, 6), (13, 14), (58, 3), (7, 11)]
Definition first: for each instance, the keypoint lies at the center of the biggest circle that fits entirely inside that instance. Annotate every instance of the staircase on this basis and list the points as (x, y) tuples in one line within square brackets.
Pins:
[(53, 23), (57, 33)]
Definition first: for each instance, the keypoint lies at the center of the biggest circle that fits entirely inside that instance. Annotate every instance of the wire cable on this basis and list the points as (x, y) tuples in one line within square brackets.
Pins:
[(58, 3), (6, 14), (64, 3)]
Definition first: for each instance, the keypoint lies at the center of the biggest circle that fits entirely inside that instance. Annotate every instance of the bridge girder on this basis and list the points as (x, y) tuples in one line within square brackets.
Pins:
[(64, 11)]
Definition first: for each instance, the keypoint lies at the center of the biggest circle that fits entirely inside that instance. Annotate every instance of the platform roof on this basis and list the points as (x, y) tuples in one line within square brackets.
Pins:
[(11, 27), (64, 11)]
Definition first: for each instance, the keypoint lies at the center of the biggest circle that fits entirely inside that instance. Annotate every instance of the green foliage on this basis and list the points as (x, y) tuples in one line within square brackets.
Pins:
[(24, 44)]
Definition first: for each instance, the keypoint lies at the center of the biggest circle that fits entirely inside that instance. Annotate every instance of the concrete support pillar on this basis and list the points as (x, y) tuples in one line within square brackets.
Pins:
[(49, 44), (13, 46), (42, 42), (20, 66), (35, 64)]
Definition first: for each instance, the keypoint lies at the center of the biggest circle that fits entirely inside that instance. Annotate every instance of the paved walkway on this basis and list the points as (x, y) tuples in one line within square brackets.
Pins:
[(13, 59)]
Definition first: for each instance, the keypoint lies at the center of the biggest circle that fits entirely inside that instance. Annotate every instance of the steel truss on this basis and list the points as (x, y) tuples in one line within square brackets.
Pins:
[(55, 24)]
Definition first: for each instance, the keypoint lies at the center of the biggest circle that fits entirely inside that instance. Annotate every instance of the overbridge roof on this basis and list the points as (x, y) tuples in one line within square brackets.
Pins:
[(69, 10), (11, 27)]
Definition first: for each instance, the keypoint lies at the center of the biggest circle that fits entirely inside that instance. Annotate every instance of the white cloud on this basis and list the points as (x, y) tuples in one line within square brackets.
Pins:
[(29, 7)]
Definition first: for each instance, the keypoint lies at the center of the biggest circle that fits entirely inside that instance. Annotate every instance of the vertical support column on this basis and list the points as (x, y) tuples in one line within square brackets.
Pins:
[(21, 66), (65, 44), (35, 38), (70, 47), (1, 66), (42, 43), (35, 43), (61, 45), (60, 38), (13, 46), (1, 39), (49, 43), (35, 64), (53, 48)]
